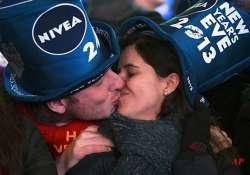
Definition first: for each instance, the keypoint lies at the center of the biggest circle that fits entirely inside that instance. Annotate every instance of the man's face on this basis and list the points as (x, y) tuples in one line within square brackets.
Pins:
[(97, 101)]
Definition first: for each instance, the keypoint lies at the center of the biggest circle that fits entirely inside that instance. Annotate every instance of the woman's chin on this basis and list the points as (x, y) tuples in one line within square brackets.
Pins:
[(119, 106), (123, 108), (121, 111)]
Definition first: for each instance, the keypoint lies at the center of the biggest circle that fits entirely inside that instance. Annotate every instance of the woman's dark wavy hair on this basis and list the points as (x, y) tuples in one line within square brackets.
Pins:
[(162, 56), (11, 136)]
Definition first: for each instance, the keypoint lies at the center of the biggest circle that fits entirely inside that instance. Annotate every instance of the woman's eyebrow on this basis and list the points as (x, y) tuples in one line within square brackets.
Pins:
[(129, 65)]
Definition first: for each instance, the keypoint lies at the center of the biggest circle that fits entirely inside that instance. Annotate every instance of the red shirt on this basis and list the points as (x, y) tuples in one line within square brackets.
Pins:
[(58, 137)]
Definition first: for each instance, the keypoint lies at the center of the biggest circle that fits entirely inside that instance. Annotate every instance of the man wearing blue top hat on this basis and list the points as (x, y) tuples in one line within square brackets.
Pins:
[(60, 67)]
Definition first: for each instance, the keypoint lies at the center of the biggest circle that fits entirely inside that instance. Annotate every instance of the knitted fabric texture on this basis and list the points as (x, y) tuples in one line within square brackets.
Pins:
[(156, 143)]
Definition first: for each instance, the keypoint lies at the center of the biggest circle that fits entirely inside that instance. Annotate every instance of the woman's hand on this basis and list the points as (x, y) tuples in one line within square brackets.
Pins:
[(219, 139)]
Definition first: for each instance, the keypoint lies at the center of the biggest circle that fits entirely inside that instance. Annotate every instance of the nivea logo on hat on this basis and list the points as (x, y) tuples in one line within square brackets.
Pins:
[(64, 23)]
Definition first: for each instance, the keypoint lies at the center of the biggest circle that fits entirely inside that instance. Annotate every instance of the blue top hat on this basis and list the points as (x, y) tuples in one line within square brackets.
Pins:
[(52, 48), (212, 39)]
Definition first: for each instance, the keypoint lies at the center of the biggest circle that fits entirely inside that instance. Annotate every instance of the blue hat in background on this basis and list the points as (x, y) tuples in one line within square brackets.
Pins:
[(52, 48), (211, 38)]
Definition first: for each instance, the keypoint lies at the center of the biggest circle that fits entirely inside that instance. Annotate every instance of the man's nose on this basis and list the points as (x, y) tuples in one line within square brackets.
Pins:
[(116, 82)]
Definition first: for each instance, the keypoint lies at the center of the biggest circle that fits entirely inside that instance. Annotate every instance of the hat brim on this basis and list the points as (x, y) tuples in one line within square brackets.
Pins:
[(110, 44)]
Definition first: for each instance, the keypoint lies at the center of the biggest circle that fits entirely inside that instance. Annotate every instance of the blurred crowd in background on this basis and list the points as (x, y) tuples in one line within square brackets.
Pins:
[(114, 11)]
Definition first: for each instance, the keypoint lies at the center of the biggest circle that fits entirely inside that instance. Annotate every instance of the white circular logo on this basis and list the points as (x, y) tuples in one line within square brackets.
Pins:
[(60, 29)]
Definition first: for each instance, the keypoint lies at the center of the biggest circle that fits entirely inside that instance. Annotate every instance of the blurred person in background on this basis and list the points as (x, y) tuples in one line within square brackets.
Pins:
[(166, 9), (116, 11), (23, 150), (149, 5)]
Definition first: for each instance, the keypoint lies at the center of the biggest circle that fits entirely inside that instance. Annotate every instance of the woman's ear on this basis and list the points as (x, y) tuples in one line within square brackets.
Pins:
[(171, 83), (57, 106)]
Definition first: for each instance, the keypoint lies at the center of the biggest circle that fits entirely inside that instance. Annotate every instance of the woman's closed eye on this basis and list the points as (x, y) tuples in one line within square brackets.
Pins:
[(130, 73), (131, 70)]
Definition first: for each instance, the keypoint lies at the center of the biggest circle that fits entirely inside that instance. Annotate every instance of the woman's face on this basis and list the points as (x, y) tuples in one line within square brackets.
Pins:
[(143, 93)]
